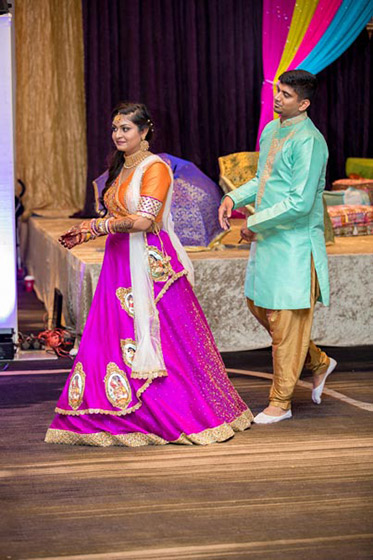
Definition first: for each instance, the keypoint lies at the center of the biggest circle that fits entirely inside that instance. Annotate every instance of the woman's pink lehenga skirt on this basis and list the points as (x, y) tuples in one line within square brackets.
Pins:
[(192, 402)]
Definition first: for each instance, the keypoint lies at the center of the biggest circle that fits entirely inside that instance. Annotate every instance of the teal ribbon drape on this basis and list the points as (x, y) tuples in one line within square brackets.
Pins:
[(348, 22)]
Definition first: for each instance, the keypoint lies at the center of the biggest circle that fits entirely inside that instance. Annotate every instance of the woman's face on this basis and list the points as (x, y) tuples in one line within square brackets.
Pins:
[(126, 135)]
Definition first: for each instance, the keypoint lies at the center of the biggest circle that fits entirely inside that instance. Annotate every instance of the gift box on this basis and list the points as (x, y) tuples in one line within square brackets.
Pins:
[(348, 220)]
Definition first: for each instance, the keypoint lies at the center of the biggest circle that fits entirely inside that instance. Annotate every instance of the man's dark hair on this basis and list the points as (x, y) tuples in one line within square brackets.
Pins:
[(303, 83)]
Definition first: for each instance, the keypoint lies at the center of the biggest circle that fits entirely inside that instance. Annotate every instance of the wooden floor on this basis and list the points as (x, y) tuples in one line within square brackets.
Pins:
[(301, 489), (298, 490)]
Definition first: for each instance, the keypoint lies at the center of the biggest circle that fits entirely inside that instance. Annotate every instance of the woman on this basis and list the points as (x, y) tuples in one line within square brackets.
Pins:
[(147, 370)]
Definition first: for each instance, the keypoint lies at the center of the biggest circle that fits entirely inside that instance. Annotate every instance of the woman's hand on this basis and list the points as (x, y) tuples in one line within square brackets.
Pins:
[(69, 241), (75, 235)]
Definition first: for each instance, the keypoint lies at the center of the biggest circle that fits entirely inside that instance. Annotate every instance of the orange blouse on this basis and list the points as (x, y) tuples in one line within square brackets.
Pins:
[(153, 193)]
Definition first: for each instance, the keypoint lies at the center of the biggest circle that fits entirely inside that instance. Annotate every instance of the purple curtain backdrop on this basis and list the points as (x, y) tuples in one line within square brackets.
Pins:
[(195, 63)]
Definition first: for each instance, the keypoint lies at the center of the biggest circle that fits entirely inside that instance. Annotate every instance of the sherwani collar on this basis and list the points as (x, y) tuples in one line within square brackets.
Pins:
[(294, 120)]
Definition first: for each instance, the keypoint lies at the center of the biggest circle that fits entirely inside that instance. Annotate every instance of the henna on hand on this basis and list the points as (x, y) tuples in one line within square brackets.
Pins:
[(76, 230), (71, 241), (71, 232), (122, 225), (75, 236)]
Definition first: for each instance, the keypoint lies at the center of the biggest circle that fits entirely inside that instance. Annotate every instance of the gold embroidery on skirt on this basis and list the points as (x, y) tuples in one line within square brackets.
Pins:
[(160, 266), (128, 347), (117, 387), (76, 386), (136, 406), (125, 297)]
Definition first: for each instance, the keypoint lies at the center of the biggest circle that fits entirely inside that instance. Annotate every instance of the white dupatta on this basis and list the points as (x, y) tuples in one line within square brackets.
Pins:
[(148, 361)]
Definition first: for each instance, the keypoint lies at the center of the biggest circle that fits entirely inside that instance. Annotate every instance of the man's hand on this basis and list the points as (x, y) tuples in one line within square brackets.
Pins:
[(247, 234), (225, 212)]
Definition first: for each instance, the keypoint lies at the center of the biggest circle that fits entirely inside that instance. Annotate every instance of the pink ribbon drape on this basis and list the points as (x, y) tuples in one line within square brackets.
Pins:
[(276, 24), (321, 19)]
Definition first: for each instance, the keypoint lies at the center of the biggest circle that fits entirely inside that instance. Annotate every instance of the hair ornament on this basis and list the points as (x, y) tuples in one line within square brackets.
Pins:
[(117, 118), (151, 124)]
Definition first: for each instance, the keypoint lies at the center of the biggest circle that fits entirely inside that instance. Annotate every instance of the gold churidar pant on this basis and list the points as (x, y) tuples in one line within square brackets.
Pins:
[(290, 330)]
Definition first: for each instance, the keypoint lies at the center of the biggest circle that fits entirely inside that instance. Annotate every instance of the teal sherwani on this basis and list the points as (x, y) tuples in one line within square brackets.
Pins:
[(289, 216)]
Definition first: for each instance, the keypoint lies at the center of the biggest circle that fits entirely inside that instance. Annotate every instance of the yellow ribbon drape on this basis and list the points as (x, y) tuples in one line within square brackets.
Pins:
[(302, 15), (50, 103)]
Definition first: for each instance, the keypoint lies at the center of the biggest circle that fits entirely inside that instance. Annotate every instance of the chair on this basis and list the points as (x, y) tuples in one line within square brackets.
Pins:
[(236, 169)]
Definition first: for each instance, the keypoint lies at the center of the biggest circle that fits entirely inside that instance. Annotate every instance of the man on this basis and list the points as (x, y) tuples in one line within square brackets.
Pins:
[(288, 269)]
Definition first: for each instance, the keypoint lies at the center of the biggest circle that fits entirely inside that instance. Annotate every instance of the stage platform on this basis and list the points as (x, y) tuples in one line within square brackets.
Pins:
[(219, 285)]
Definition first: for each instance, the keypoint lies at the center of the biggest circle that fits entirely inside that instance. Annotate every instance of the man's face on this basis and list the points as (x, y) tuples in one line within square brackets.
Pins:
[(287, 103)]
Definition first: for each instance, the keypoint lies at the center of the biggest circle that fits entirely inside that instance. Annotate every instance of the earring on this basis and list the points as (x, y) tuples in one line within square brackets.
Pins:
[(144, 145)]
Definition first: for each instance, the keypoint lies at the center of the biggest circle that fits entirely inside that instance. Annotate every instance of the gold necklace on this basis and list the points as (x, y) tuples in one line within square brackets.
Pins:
[(135, 159)]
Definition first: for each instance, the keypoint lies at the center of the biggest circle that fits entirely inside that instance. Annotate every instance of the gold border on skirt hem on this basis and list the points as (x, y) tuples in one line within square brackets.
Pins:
[(136, 439)]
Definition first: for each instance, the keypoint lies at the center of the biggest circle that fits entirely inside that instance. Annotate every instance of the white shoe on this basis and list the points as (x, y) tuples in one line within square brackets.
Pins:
[(263, 418), (316, 393)]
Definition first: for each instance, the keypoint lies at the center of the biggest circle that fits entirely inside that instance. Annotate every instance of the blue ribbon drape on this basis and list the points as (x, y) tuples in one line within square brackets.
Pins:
[(346, 25)]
